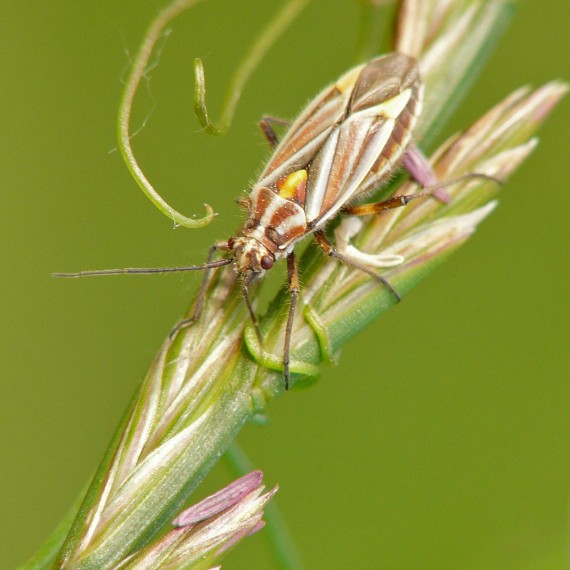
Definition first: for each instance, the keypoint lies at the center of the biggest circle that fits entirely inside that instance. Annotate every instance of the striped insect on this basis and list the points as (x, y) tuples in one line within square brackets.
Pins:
[(345, 144)]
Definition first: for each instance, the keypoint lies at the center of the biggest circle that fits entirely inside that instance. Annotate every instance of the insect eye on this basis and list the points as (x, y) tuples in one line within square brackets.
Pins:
[(267, 262), (231, 242)]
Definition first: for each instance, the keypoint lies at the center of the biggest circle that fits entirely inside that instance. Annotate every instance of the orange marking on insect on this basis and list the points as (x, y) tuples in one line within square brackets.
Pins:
[(293, 185)]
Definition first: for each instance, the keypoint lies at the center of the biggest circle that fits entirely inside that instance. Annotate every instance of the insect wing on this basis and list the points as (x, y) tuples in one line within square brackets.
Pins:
[(362, 150), (311, 129)]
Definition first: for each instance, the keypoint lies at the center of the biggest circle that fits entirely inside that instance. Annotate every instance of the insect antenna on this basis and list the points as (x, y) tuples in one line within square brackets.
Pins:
[(145, 270)]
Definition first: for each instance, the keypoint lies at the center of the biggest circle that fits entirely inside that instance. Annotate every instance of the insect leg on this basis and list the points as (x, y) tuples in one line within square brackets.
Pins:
[(404, 199), (267, 129), (329, 249), (416, 163), (254, 322), (199, 305), (389, 204), (293, 282)]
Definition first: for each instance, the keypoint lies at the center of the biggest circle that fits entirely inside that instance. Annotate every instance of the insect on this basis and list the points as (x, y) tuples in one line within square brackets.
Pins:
[(345, 144)]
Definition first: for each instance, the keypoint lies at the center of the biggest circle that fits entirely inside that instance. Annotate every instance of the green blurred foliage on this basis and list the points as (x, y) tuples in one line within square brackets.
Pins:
[(441, 438)]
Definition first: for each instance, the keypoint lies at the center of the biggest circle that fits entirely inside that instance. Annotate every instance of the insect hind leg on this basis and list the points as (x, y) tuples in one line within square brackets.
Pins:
[(398, 201), (384, 205), (419, 168), (331, 251)]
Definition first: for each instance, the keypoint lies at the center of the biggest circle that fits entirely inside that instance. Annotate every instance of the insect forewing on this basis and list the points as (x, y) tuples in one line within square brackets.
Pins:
[(362, 149), (311, 129)]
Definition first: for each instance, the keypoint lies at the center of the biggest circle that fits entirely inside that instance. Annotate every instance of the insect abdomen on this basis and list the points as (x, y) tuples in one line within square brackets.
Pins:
[(404, 123)]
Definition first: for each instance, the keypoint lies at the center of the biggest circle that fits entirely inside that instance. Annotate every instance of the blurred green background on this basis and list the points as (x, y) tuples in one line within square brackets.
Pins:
[(441, 440)]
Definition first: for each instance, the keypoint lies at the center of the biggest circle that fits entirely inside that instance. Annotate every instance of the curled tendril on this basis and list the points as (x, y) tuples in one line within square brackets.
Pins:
[(138, 70), (140, 66), (257, 52)]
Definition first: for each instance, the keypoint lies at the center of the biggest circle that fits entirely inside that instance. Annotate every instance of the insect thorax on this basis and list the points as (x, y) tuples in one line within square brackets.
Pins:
[(271, 230)]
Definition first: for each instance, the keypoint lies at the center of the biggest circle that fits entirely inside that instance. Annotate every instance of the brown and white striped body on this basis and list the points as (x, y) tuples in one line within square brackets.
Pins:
[(346, 143)]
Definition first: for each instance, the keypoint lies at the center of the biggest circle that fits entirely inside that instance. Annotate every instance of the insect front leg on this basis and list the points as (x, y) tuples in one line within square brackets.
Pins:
[(200, 298), (330, 250), (265, 124), (293, 284)]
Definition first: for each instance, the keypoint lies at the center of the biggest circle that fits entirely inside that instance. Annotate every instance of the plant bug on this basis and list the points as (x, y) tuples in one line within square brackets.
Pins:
[(345, 144)]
